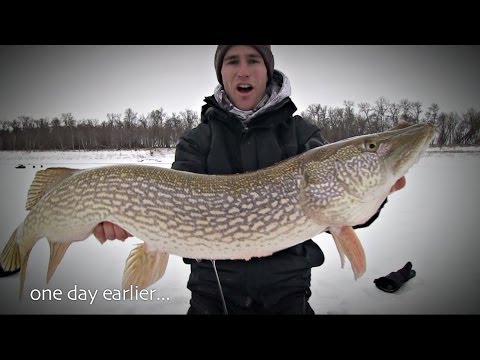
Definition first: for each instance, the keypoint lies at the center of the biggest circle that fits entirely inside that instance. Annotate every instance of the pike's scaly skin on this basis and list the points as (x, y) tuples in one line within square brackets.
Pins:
[(333, 188)]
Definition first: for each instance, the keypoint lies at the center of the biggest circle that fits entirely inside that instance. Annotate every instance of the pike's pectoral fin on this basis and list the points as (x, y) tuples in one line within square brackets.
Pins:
[(349, 245), (57, 251), (143, 268)]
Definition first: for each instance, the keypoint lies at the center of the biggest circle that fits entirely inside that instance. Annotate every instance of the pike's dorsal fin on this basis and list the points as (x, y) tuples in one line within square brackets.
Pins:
[(44, 181), (57, 251), (143, 268), (349, 245)]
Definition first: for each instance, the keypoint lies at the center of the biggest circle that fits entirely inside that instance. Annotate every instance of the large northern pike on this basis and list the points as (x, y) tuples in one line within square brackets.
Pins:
[(333, 187)]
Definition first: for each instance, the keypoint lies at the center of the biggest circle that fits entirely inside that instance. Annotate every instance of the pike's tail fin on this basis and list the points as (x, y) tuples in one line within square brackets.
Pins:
[(10, 256), (14, 256), (12, 260)]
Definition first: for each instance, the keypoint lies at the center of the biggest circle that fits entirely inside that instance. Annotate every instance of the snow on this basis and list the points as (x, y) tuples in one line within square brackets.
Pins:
[(431, 222)]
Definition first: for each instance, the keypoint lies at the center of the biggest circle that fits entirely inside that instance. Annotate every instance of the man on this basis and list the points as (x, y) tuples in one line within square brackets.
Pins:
[(247, 124)]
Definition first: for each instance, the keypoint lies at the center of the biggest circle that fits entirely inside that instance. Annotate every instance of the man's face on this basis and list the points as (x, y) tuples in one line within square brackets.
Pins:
[(244, 76)]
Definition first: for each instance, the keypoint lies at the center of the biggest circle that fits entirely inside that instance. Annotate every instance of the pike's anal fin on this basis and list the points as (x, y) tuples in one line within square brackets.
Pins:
[(57, 251), (23, 269)]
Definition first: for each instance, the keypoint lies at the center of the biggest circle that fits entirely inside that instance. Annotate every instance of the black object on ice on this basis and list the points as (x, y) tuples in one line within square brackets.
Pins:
[(394, 281)]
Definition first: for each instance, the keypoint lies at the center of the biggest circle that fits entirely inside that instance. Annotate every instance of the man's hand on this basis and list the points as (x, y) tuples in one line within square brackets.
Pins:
[(109, 231), (400, 184)]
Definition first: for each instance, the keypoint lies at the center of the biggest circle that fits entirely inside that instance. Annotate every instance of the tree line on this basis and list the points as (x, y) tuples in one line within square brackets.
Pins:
[(119, 131), (341, 122), (157, 129)]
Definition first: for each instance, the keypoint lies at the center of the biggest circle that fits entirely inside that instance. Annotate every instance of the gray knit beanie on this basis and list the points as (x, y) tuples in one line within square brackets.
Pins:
[(264, 50)]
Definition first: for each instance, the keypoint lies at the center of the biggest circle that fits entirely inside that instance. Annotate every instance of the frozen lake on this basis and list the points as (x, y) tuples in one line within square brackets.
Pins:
[(431, 222)]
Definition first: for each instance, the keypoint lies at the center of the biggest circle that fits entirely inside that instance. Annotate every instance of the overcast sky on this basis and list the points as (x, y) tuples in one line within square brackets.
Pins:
[(91, 81)]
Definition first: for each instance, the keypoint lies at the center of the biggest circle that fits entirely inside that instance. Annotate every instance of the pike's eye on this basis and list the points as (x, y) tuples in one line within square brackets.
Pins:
[(370, 145)]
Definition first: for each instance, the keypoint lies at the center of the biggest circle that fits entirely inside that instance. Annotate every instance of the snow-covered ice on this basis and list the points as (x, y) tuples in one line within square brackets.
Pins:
[(431, 222)]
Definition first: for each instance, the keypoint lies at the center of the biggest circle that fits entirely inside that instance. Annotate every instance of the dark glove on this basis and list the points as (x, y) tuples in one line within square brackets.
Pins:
[(393, 281)]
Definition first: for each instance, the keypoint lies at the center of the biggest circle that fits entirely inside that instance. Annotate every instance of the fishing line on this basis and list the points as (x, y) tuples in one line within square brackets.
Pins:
[(220, 288)]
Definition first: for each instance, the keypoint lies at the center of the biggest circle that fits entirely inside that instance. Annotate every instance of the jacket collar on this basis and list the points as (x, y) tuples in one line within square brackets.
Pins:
[(276, 114)]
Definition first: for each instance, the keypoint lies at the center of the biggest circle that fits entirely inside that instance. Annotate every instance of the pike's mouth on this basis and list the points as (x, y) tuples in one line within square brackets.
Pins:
[(409, 147)]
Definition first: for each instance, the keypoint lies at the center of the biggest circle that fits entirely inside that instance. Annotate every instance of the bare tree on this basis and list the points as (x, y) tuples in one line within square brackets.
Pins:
[(432, 113), (57, 132), (69, 123), (380, 110), (405, 108), (416, 110), (316, 114), (189, 119), (393, 112), (365, 109), (157, 133), (351, 124), (115, 125), (469, 134), (130, 124)]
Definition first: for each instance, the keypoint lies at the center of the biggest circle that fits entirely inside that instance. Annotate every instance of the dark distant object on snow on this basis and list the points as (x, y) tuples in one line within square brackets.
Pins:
[(20, 166)]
